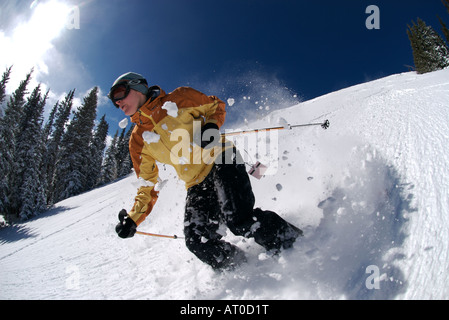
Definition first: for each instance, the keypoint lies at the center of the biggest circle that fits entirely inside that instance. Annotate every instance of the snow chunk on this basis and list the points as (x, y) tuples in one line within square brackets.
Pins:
[(263, 256), (123, 124), (231, 102), (151, 137), (283, 122), (142, 183), (276, 276), (160, 184), (255, 226), (172, 108)]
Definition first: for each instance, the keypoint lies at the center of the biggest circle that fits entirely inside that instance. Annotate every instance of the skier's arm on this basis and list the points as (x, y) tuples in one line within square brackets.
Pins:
[(146, 195), (209, 107), (147, 172), (218, 113)]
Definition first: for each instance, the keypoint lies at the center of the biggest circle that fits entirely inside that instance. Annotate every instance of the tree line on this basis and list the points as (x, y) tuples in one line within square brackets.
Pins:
[(42, 163), (430, 49)]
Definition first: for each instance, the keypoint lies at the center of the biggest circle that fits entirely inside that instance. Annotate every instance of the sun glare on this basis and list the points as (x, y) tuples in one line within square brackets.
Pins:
[(31, 40), (49, 19)]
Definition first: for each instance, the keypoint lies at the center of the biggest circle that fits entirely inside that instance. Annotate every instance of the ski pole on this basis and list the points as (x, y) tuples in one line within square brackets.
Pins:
[(325, 125), (158, 235)]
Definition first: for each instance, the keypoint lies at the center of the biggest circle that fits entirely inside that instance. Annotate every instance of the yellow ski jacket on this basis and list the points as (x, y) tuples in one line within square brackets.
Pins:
[(167, 131)]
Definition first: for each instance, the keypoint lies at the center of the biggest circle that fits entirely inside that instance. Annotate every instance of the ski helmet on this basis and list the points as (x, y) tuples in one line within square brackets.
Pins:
[(126, 82)]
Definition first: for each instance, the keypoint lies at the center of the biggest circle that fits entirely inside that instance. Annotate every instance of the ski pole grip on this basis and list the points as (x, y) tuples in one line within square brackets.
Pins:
[(326, 125)]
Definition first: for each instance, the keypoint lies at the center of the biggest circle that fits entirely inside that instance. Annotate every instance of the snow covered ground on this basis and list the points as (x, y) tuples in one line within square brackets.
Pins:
[(371, 194)]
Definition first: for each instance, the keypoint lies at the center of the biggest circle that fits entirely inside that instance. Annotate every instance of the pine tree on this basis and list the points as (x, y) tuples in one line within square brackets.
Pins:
[(97, 151), (29, 188), (72, 166), (123, 156), (54, 143), (109, 169), (121, 153), (3, 186), (49, 125), (43, 148), (3, 82), (430, 53), (9, 128)]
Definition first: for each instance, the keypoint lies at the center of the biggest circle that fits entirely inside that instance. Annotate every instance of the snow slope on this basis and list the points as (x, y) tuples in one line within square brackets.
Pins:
[(371, 194)]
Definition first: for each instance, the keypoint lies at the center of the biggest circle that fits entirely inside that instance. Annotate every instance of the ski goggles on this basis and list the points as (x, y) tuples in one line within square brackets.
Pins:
[(121, 90)]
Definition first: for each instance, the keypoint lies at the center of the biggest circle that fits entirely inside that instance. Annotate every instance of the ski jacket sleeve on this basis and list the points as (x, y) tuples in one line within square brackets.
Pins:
[(147, 172), (186, 97)]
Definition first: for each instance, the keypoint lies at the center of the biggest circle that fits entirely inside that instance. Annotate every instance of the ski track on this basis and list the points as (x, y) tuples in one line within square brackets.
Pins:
[(370, 191)]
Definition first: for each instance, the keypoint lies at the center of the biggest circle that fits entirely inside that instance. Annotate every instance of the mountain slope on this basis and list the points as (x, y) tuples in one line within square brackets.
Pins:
[(371, 194)]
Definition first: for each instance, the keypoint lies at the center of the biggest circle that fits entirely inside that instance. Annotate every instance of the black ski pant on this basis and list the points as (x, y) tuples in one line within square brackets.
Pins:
[(226, 196)]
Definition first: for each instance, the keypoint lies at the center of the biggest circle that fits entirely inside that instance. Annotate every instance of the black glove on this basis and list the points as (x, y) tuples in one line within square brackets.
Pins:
[(210, 136), (126, 227)]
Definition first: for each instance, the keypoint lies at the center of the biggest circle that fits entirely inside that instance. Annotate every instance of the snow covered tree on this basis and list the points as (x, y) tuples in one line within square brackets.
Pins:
[(54, 142), (97, 151), (430, 52), (117, 162), (9, 128), (123, 156), (74, 158), (3, 82), (49, 125), (124, 164), (109, 168), (29, 188)]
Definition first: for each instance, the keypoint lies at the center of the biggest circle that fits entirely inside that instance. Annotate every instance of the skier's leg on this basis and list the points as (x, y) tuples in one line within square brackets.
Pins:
[(273, 232), (237, 204), (235, 197), (200, 228)]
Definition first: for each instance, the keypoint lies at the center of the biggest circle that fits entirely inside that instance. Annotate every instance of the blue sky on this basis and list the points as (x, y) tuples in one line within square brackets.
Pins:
[(265, 54)]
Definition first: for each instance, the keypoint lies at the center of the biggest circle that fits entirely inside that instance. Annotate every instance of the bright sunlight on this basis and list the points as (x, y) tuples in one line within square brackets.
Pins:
[(29, 41)]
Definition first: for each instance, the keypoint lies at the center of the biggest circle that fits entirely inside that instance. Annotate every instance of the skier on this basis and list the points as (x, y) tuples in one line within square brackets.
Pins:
[(218, 186)]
